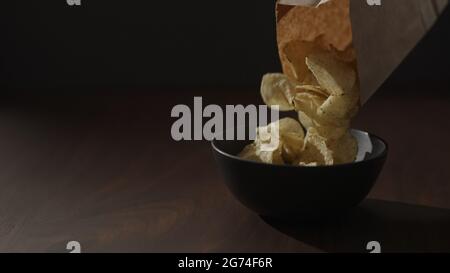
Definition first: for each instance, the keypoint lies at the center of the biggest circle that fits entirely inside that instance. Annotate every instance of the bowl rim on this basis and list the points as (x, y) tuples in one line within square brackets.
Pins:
[(383, 153)]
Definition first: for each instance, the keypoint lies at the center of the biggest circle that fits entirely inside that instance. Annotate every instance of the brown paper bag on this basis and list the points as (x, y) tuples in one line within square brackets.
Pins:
[(376, 38)]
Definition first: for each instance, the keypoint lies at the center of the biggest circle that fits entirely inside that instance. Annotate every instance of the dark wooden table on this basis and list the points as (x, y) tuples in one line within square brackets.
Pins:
[(101, 168)]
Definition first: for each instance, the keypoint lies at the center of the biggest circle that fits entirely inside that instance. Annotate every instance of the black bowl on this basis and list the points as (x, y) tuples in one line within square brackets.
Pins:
[(294, 192)]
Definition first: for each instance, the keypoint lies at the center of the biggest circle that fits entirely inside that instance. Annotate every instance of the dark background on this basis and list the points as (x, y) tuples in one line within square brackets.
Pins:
[(48, 44), (115, 43)]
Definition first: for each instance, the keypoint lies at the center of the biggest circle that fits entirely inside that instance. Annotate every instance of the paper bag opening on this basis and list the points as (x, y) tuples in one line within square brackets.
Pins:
[(375, 39)]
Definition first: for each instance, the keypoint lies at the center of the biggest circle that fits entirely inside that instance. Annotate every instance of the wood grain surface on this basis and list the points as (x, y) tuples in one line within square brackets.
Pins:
[(101, 168)]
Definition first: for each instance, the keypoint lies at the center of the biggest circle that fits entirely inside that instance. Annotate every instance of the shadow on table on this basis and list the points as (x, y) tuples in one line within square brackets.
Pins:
[(396, 226)]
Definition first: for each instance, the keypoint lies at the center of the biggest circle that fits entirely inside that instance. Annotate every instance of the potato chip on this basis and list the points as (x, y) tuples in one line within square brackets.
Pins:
[(324, 90), (293, 145), (273, 157), (309, 104), (253, 152), (290, 125), (339, 79), (289, 143), (312, 164), (276, 90), (317, 55), (316, 149), (344, 148), (249, 153), (334, 76), (291, 138), (309, 100), (310, 79), (327, 131), (315, 89), (305, 120)]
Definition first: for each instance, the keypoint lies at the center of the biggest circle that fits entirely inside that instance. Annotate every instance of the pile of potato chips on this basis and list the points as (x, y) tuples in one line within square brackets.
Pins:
[(324, 91)]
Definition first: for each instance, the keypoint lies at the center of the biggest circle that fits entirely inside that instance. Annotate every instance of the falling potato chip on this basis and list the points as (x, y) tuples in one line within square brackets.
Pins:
[(320, 105), (329, 132), (309, 104), (334, 76), (337, 108), (315, 89), (324, 91), (305, 120), (275, 90), (315, 101), (339, 79)]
